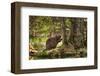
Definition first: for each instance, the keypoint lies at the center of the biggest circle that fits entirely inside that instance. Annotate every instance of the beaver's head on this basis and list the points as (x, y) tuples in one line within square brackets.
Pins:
[(58, 38)]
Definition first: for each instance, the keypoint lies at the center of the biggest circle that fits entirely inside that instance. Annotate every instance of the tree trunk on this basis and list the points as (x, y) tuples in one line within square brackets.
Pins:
[(75, 33), (64, 35)]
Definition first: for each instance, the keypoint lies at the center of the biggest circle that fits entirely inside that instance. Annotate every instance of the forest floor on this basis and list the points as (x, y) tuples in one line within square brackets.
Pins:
[(58, 53)]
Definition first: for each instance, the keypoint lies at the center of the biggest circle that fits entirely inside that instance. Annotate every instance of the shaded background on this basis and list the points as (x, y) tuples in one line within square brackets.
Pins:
[(68, 36)]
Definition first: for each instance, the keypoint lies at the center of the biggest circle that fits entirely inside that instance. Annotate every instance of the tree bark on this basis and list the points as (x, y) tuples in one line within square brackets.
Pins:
[(64, 35)]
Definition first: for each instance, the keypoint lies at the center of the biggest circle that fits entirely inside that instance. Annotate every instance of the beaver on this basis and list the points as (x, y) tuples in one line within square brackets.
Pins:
[(52, 42)]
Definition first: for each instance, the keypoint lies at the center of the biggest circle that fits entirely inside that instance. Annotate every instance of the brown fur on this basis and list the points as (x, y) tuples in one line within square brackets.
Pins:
[(52, 42)]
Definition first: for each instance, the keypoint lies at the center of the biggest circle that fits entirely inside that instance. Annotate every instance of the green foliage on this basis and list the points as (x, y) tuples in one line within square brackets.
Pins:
[(72, 33), (68, 23)]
